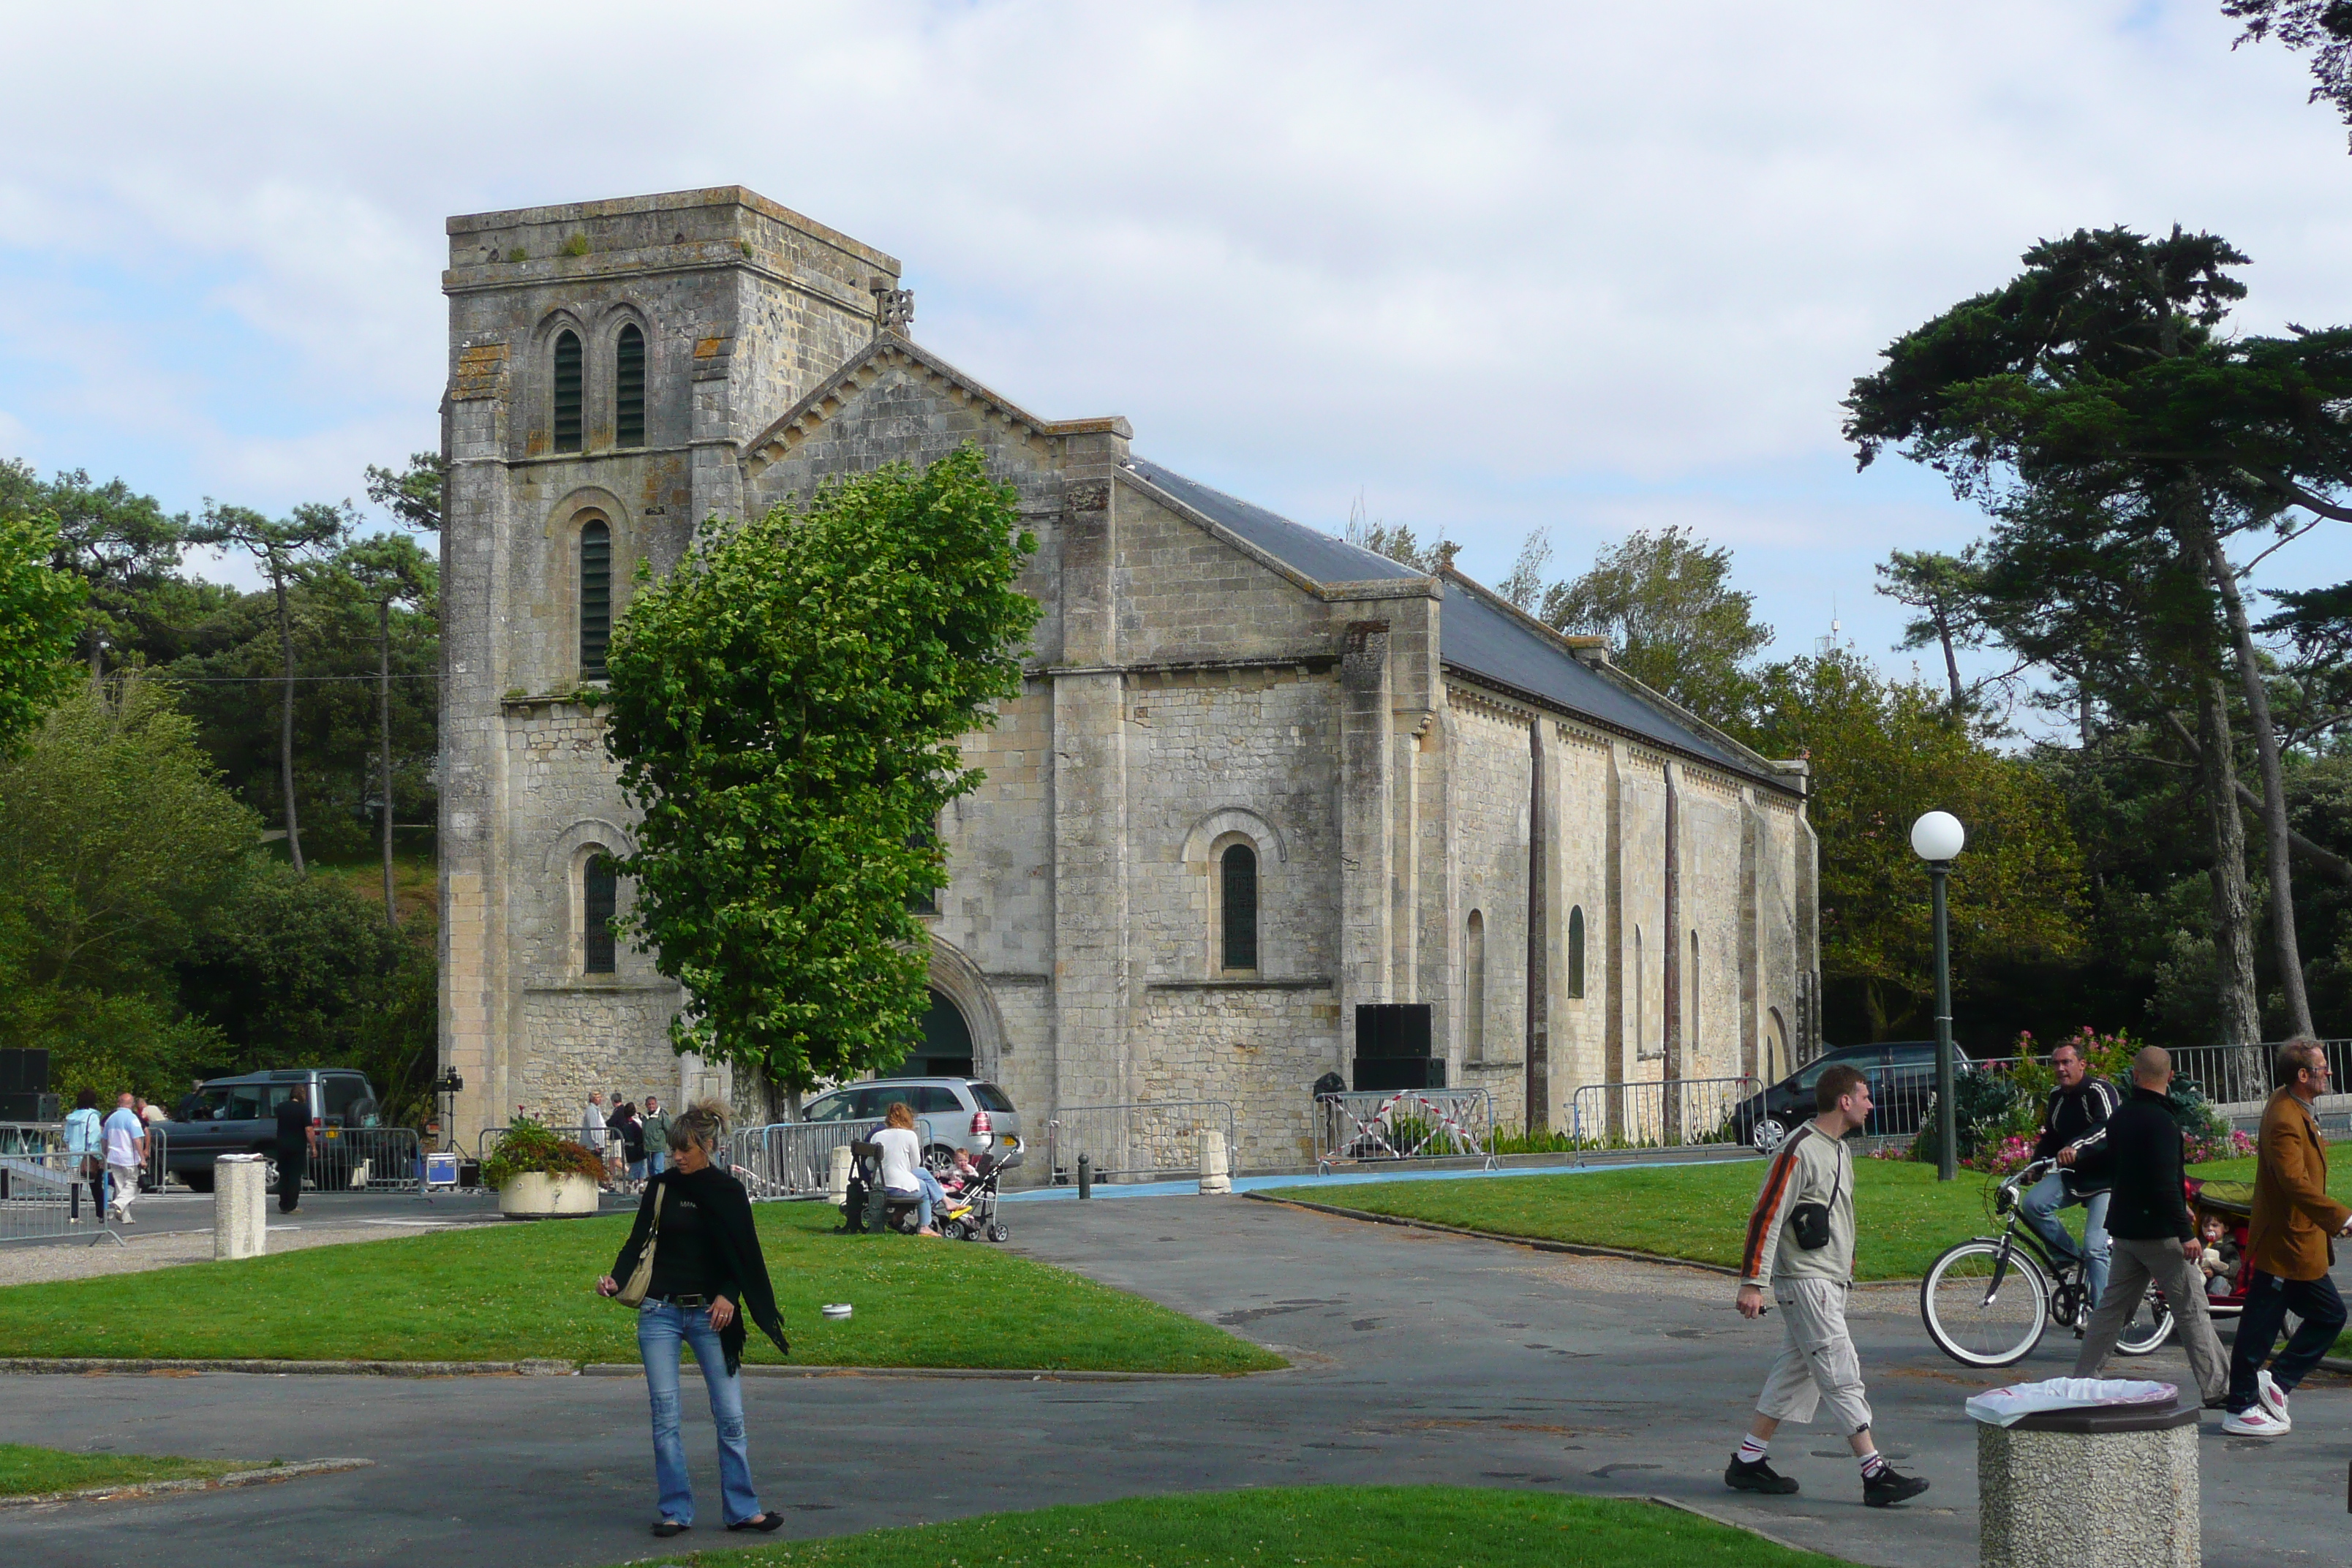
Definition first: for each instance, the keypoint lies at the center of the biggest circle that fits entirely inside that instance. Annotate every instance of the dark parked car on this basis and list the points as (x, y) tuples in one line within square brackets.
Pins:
[(1902, 1087), (239, 1116)]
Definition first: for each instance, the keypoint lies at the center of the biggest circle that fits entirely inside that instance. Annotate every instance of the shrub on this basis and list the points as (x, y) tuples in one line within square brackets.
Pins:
[(533, 1148)]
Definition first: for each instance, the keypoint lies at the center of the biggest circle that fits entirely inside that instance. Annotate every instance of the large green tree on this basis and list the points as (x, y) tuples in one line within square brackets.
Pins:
[(387, 570), (40, 612), (1882, 753), (1665, 602), (2094, 407), (123, 545), (786, 708)]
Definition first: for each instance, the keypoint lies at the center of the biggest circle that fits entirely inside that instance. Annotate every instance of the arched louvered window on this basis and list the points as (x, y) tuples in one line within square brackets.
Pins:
[(595, 597), (1474, 988), (567, 391), (1692, 1036), (1576, 952), (629, 388), (1239, 868), (601, 890)]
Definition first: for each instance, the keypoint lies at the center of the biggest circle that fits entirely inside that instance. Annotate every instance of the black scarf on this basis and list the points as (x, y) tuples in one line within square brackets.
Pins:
[(722, 1197)]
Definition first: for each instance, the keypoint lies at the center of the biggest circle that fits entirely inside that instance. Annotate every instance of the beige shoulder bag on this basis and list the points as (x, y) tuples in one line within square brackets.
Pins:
[(640, 1277)]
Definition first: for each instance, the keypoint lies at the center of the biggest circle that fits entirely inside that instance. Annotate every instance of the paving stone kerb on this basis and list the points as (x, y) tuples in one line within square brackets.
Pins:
[(2112, 1488), (259, 1476)]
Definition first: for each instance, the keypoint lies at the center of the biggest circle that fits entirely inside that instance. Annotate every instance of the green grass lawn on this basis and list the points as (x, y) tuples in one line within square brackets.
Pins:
[(1904, 1215), (524, 1291), (24, 1470), (1301, 1527)]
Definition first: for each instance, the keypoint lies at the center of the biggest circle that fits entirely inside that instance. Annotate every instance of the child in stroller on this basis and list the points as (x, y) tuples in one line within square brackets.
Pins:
[(2232, 1205), (969, 1213)]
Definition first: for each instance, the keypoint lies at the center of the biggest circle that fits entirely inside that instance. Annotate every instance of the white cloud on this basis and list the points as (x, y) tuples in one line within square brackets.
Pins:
[(1585, 265)]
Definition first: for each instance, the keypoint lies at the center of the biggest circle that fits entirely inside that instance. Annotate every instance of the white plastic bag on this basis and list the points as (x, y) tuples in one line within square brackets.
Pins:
[(2008, 1407)]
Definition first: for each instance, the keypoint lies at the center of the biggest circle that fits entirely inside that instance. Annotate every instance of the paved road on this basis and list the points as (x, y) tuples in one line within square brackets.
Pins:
[(1423, 1358)]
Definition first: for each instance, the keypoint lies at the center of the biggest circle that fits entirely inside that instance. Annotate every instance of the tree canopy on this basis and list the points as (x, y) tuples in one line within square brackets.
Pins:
[(786, 708), (1665, 602), (40, 617)]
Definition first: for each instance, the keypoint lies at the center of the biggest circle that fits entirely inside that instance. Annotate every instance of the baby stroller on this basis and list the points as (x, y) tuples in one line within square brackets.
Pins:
[(970, 1213), (2231, 1203)]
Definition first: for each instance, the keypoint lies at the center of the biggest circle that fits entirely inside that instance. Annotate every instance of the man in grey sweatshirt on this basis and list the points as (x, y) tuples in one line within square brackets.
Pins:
[(1800, 1244)]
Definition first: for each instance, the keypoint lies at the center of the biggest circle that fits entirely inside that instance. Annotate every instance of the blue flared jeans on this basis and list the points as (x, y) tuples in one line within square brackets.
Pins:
[(662, 1329)]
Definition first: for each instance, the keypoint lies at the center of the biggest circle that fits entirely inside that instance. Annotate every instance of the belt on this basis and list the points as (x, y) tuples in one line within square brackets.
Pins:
[(686, 1303)]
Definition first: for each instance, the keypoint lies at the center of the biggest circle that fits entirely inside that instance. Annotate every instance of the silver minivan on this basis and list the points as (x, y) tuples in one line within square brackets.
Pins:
[(963, 1112)]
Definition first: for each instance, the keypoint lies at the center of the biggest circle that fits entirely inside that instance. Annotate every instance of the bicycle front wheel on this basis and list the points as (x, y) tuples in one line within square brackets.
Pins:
[(2150, 1325), (1986, 1303)]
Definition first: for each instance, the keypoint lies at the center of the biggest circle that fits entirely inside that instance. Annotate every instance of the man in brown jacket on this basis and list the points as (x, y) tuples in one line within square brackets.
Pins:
[(2292, 1240)]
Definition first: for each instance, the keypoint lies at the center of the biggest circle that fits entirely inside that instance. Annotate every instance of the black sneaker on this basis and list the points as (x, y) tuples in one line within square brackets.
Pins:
[(1887, 1489), (1760, 1477)]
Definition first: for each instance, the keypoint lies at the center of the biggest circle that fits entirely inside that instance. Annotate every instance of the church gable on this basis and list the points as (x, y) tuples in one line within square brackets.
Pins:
[(1189, 590)]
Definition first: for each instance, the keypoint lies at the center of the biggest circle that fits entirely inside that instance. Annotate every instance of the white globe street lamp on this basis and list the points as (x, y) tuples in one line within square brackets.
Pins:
[(1937, 838)]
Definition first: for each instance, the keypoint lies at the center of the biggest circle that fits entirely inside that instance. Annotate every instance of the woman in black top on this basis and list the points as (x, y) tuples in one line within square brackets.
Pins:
[(708, 1273), (633, 1138)]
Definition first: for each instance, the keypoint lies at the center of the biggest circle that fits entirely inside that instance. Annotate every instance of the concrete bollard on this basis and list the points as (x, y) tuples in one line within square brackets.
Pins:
[(240, 1206), (1216, 1177), (2109, 1487), (836, 1175)]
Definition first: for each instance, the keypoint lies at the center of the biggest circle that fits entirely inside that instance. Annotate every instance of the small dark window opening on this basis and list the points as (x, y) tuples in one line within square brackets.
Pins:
[(1241, 908), (629, 388), (595, 598), (1576, 952), (567, 391), (602, 901)]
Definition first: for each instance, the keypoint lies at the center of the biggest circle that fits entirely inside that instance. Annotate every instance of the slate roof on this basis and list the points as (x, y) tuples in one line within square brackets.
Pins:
[(1477, 634)]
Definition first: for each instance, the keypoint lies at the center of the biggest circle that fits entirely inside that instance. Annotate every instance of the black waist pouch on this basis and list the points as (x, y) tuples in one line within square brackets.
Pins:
[(1810, 1223)]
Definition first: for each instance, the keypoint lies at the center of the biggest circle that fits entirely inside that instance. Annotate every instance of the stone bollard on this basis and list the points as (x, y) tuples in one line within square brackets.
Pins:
[(240, 1206), (2109, 1487), (1215, 1176), (836, 1175)]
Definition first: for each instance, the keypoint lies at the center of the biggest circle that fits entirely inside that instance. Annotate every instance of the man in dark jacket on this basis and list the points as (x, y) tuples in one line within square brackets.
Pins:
[(2150, 1229), (2074, 1122)]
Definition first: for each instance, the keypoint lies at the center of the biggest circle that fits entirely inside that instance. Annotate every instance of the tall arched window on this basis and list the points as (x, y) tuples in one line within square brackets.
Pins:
[(1474, 987), (1576, 952), (1641, 992), (629, 388), (567, 391), (1238, 876), (595, 597), (601, 888)]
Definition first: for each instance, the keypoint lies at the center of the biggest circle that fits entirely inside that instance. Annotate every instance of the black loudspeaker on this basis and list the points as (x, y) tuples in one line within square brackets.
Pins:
[(24, 1072), (1387, 1074), (1392, 1031)]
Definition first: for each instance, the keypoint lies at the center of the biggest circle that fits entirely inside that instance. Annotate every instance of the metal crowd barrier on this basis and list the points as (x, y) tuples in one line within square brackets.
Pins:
[(45, 1194), (786, 1159), (1404, 1124), (1135, 1142), (1663, 1113), (365, 1160), (31, 1137), (2241, 1075)]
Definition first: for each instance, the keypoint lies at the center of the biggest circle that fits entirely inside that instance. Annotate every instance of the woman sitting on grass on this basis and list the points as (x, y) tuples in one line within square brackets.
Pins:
[(904, 1176), (706, 1261)]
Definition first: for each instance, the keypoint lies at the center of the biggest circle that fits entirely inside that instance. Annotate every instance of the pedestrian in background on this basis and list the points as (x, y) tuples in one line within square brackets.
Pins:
[(656, 1136), (593, 1133), (2150, 1229), (633, 1140), (707, 1276), (2292, 1240), (86, 1136), (297, 1139), (126, 1155), (1800, 1243), (149, 1112)]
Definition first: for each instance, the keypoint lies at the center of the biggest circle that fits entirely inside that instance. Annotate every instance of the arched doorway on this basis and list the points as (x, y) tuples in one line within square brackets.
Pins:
[(946, 1050)]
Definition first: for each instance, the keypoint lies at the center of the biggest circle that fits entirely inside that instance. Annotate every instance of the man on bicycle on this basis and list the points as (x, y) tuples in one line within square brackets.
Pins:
[(2075, 1121)]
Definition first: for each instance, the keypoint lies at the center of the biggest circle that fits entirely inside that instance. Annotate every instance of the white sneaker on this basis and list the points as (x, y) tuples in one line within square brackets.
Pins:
[(2274, 1398), (2255, 1423)]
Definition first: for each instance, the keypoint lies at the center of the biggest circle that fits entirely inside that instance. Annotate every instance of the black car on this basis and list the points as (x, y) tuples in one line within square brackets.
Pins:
[(1902, 1087)]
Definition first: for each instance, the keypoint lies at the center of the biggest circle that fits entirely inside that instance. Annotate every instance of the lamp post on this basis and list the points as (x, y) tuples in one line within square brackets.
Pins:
[(1937, 838)]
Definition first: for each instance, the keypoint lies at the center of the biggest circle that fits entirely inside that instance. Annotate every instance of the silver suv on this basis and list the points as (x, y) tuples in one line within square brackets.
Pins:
[(963, 1112)]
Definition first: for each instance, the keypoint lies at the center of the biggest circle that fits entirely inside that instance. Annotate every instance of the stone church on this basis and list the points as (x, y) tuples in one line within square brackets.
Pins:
[(1256, 778)]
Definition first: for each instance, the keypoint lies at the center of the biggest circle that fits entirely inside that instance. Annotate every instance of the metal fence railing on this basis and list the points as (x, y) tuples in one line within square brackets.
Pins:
[(1135, 1142), (1663, 1113), (365, 1160), (31, 1137), (786, 1159), (1403, 1124), (2242, 1075), (50, 1194)]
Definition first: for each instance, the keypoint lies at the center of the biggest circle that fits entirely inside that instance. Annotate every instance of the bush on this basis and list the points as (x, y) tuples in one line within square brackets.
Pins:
[(533, 1148)]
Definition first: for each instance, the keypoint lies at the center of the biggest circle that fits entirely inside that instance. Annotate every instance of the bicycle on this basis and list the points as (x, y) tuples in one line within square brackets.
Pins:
[(1989, 1300)]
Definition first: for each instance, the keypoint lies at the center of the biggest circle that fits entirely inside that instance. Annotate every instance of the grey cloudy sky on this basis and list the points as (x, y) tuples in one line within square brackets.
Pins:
[(1579, 267)]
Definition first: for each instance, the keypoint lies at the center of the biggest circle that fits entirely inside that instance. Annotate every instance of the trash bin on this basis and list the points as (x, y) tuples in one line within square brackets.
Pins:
[(2090, 1484)]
